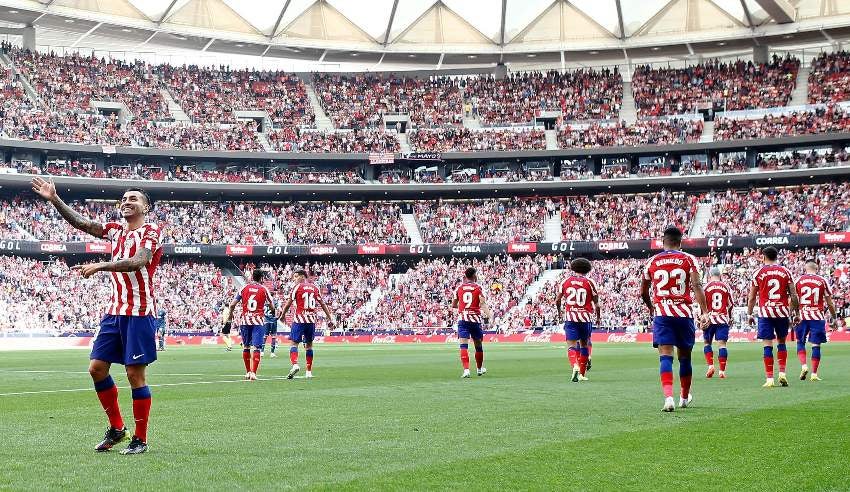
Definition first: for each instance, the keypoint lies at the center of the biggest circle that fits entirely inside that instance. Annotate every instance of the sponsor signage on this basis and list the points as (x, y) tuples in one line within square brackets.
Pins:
[(99, 247), (771, 240), (323, 249), (51, 247), (423, 156), (612, 245), (372, 249), (187, 250), (522, 247), (239, 250), (834, 237), (10, 245), (381, 158)]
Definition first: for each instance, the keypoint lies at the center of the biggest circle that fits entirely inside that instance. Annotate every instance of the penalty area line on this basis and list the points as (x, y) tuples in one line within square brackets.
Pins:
[(159, 385)]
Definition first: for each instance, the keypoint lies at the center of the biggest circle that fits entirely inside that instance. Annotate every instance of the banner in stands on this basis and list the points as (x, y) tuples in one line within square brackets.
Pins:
[(381, 158), (49, 343), (422, 156), (572, 248)]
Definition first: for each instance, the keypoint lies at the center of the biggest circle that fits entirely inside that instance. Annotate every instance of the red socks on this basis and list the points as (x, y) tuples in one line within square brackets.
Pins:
[(572, 353), (464, 355), (479, 359), (141, 411), (293, 355), (685, 382), (256, 362), (801, 356), (107, 393), (667, 383), (246, 358), (309, 354), (582, 364)]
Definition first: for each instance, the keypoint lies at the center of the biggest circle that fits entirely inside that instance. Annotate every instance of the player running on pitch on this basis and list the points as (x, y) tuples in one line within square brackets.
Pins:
[(470, 304), (254, 298), (674, 278), (127, 334), (813, 291), (307, 298), (271, 330), (719, 299), (581, 297), (773, 285)]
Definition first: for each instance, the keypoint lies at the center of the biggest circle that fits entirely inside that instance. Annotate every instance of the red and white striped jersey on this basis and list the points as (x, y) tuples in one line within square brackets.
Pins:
[(812, 290), (578, 294), (469, 296), (772, 282), (253, 297), (306, 297), (670, 274), (719, 299), (133, 292)]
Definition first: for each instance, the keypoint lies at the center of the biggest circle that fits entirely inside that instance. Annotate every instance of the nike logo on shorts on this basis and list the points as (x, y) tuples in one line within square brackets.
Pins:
[(135, 357)]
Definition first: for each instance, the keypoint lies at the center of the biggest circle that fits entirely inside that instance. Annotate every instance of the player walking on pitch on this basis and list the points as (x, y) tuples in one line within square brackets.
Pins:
[(307, 298), (773, 286), (470, 304), (581, 298), (254, 298), (719, 299), (127, 334), (674, 278), (813, 291)]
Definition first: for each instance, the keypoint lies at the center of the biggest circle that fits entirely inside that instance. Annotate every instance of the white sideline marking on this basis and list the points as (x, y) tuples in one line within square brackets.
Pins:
[(160, 385)]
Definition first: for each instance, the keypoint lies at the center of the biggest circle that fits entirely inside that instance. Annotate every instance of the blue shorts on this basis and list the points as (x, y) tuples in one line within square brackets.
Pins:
[(302, 332), (468, 329), (575, 330), (770, 328), (815, 330), (716, 332), (252, 335), (128, 340), (672, 330), (271, 328)]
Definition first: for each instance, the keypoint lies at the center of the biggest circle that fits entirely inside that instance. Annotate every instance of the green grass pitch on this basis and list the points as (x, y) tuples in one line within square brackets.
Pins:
[(399, 417)]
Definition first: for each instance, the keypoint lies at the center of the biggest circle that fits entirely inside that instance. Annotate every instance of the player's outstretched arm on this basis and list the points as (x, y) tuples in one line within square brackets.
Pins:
[(47, 190), (140, 259)]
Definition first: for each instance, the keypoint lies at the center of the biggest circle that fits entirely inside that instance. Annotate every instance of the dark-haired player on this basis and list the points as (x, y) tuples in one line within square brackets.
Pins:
[(773, 286), (307, 299), (470, 304), (814, 294), (254, 298), (127, 334), (719, 299), (271, 331), (581, 298), (674, 279)]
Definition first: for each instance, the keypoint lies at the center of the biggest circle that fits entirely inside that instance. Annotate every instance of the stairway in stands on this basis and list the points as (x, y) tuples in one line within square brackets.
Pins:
[(323, 123), (271, 225), (230, 270), (551, 139), (403, 143), (534, 289), (628, 110), (412, 228), (264, 142), (707, 132), (701, 219), (800, 95), (174, 109), (552, 230)]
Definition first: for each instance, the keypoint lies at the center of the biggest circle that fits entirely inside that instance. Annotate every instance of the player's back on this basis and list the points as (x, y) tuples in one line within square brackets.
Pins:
[(253, 297), (812, 290), (670, 273), (578, 293), (719, 299), (469, 296), (305, 296), (772, 283)]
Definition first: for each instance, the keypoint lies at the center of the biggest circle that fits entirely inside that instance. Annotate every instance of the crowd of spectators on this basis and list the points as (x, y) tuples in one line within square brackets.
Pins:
[(339, 223), (354, 141), (210, 136), (830, 119), (643, 132), (313, 176), (790, 210), (211, 95), (801, 160), (829, 79), (491, 220), (737, 85), (585, 94), (458, 139), (361, 100)]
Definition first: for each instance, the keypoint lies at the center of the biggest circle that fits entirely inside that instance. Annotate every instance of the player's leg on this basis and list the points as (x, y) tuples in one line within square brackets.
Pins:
[(296, 331), (463, 339), (781, 329), (572, 355), (140, 351), (478, 342), (766, 334), (583, 357), (273, 333), (309, 336), (801, 333), (663, 339), (108, 348), (245, 335), (685, 334), (817, 337), (258, 334), (721, 336), (707, 350)]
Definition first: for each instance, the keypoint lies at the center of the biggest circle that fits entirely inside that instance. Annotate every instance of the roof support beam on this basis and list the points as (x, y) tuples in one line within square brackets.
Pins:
[(147, 40), (827, 36), (390, 23), (268, 47), (322, 58), (209, 43), (747, 14), (781, 10), (279, 18), (690, 48), (167, 11), (502, 29), (440, 63), (620, 19), (86, 34)]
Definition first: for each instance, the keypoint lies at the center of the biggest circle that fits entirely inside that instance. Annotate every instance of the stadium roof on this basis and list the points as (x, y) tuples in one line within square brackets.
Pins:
[(444, 32)]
